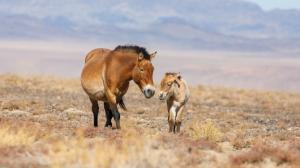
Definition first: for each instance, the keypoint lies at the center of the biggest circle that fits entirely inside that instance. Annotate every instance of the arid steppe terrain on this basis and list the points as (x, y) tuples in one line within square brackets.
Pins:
[(240, 58), (46, 122)]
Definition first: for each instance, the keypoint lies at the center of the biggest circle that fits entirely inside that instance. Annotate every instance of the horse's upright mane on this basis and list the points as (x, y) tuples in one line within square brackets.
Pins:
[(134, 48)]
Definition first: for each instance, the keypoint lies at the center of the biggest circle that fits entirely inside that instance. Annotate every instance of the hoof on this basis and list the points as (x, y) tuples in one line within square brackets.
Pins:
[(108, 125)]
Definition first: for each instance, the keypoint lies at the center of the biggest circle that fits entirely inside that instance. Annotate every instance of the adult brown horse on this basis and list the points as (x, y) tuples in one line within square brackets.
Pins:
[(106, 76)]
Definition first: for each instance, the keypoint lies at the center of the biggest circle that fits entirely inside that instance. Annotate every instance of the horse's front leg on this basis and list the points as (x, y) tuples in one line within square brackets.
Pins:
[(112, 99), (116, 114), (109, 115)]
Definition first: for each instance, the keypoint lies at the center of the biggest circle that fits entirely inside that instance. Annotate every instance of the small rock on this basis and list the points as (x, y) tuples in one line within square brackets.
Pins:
[(73, 111)]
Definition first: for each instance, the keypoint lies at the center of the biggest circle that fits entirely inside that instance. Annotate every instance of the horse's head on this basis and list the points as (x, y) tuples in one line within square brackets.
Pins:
[(143, 74), (168, 85)]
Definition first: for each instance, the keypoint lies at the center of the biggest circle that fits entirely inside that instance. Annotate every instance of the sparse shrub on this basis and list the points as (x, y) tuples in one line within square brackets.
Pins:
[(247, 157), (207, 131)]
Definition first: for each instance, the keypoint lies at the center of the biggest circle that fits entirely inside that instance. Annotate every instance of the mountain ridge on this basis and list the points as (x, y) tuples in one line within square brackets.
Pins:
[(206, 24)]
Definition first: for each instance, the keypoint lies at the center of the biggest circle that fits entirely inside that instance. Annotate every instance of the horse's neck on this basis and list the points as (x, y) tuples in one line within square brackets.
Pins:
[(181, 93), (126, 66)]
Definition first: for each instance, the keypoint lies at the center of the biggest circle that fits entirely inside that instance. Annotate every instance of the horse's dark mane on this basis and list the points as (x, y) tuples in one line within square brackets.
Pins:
[(134, 48)]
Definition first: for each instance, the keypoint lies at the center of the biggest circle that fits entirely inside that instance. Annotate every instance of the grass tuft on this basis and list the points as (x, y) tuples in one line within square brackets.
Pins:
[(207, 131), (11, 137)]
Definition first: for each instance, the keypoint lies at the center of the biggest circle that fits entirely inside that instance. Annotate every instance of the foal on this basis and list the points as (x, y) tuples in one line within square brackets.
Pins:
[(175, 91)]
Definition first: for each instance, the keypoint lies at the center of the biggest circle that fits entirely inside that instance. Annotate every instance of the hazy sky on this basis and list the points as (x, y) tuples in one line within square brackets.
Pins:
[(282, 4)]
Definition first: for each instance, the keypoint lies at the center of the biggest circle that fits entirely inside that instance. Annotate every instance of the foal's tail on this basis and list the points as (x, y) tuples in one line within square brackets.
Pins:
[(122, 105)]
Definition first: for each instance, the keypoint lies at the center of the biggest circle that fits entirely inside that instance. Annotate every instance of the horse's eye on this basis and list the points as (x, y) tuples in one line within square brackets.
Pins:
[(142, 70)]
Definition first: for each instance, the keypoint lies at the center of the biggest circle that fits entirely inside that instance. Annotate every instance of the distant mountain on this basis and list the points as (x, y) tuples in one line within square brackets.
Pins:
[(193, 24)]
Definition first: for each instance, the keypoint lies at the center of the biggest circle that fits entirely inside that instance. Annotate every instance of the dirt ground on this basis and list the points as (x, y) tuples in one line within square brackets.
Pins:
[(47, 122)]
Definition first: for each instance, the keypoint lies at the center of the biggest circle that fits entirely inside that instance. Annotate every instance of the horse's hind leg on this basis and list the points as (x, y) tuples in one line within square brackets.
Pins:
[(95, 109), (109, 115)]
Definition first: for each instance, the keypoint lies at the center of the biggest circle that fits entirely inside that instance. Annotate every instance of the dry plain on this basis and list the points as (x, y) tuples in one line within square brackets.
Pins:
[(46, 122)]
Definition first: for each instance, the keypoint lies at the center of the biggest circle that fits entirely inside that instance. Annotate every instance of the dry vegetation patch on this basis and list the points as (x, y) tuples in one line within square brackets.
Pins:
[(206, 130), (261, 151), (13, 137)]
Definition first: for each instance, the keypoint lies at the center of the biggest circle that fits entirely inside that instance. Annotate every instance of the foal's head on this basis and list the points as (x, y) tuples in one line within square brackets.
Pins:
[(143, 74), (168, 84)]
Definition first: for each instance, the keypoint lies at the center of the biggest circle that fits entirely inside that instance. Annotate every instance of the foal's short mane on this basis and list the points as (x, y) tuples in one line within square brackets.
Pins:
[(171, 73), (134, 48)]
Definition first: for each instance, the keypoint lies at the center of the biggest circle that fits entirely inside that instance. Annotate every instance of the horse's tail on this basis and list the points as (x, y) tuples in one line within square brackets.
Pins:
[(122, 104)]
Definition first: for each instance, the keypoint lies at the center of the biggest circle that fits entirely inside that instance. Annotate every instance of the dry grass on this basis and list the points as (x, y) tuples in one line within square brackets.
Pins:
[(11, 137), (260, 152), (123, 149), (47, 122), (84, 152)]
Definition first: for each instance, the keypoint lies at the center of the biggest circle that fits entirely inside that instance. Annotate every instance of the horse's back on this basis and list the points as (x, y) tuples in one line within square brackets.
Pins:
[(92, 73), (98, 52)]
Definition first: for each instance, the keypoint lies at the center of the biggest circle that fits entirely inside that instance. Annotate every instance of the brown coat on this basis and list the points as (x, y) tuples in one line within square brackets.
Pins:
[(107, 73)]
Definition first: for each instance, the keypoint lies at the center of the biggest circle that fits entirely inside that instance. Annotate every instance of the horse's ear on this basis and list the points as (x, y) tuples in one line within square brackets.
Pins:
[(153, 55), (140, 56)]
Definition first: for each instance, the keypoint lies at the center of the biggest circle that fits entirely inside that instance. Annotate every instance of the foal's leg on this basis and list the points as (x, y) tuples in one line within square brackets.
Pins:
[(178, 127), (171, 119), (173, 114), (170, 122), (109, 115), (95, 110), (179, 119), (116, 114)]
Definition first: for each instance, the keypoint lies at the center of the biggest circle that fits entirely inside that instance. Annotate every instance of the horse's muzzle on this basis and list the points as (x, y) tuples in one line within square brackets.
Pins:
[(149, 91)]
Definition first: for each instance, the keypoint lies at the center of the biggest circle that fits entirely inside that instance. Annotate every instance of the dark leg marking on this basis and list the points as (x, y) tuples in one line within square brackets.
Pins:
[(95, 110), (116, 115), (178, 124), (109, 115)]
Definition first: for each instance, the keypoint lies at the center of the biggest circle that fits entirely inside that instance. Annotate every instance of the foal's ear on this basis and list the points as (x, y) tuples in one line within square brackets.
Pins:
[(140, 56), (153, 55), (178, 76)]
